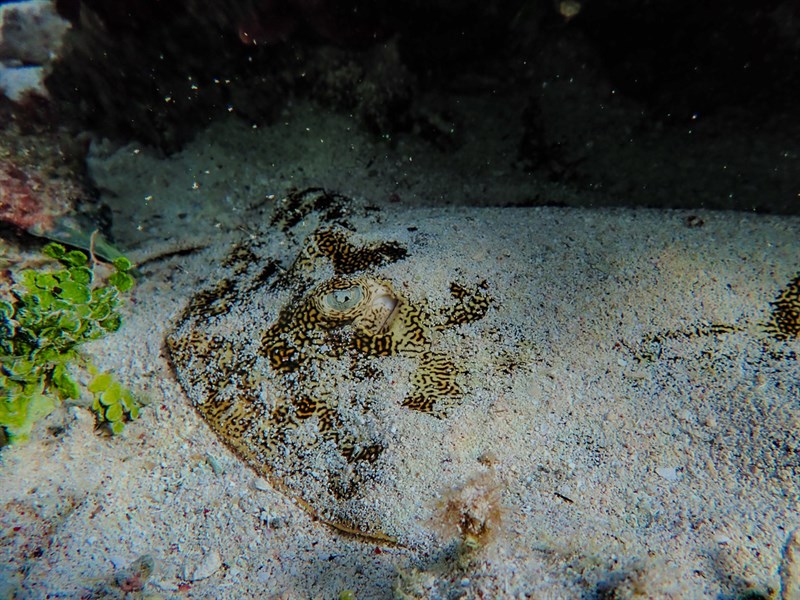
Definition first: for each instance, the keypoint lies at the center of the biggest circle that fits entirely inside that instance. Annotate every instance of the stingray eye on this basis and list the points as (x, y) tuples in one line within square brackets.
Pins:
[(343, 299)]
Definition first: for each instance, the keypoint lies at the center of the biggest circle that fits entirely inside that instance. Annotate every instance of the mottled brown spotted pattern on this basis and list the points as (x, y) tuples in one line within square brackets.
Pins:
[(371, 319), (782, 325), (346, 259), (784, 322), (274, 398)]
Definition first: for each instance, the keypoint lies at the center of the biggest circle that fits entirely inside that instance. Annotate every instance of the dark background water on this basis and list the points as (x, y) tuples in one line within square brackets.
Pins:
[(631, 102)]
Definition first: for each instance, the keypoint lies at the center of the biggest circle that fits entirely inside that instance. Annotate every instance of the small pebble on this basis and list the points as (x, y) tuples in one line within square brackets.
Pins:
[(722, 540), (260, 484), (214, 464), (205, 568), (668, 473)]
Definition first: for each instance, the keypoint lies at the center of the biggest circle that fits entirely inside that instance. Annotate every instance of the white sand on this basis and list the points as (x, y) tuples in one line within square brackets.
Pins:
[(675, 477)]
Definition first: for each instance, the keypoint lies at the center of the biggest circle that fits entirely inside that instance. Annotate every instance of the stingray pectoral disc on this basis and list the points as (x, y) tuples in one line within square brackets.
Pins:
[(319, 382)]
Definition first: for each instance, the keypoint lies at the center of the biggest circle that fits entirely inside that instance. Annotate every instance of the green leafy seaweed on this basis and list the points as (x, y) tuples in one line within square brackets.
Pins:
[(50, 313)]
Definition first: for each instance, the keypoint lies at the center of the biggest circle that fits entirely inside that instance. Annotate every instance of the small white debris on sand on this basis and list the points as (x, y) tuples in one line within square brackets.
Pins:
[(209, 565), (668, 473)]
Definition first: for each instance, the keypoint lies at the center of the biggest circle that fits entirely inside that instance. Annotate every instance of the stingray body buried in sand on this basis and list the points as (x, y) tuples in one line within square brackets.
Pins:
[(370, 361)]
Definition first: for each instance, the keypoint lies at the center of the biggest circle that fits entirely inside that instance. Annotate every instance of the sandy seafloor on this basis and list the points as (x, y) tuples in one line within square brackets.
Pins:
[(618, 477)]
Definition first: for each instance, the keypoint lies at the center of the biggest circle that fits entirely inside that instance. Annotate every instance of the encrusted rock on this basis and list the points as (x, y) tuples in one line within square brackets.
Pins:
[(31, 35)]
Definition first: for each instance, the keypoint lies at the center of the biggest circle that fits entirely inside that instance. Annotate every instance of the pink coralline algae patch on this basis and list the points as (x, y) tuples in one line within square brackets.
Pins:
[(29, 201)]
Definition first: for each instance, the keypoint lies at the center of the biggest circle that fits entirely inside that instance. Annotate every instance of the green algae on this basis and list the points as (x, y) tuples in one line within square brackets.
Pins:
[(43, 323)]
